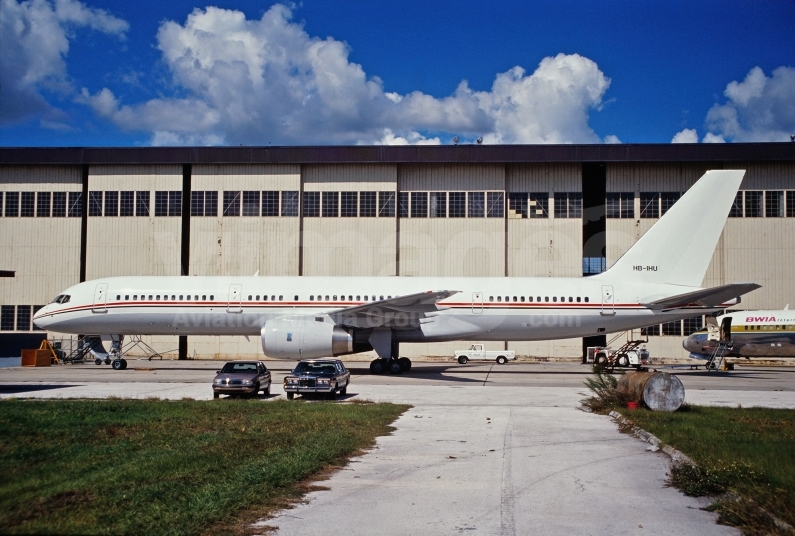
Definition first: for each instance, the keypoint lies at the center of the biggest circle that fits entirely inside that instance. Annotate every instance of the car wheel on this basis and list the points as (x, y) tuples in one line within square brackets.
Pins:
[(255, 392), (463, 359), (333, 394), (216, 395), (623, 361), (344, 390), (601, 359), (267, 390), (290, 396), (501, 360)]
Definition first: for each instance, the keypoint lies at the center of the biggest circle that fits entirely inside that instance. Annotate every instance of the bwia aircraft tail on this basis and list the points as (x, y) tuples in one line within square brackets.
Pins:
[(678, 248)]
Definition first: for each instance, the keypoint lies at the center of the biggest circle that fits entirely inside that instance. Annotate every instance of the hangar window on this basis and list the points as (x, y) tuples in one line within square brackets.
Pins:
[(111, 203), (289, 203), (568, 204), (251, 203), (36, 309), (476, 205), (27, 204), (456, 205), (75, 207), (403, 204), (672, 328), (1, 203), (12, 204), (142, 203), (538, 205), (270, 203), (437, 206), (349, 204), (495, 205), (753, 203), (517, 205), (168, 203), (620, 204), (667, 200), (330, 207), (419, 204), (23, 317), (311, 204), (59, 204), (126, 203), (791, 204), (774, 204), (737, 207), (691, 325), (7, 318), (203, 203), (231, 204), (386, 204), (95, 203), (367, 204), (653, 331), (649, 205), (43, 204)]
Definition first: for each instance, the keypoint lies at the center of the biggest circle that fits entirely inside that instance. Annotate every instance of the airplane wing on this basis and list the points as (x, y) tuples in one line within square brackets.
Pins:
[(400, 311), (710, 297)]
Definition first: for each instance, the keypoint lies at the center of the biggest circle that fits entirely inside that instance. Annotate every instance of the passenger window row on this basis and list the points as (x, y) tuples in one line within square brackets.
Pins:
[(554, 299), (156, 297)]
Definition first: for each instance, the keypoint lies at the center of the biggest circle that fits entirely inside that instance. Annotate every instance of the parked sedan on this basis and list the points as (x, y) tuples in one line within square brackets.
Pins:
[(242, 377), (327, 376)]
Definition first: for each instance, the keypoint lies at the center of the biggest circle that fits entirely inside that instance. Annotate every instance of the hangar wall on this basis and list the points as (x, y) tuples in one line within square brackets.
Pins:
[(366, 218)]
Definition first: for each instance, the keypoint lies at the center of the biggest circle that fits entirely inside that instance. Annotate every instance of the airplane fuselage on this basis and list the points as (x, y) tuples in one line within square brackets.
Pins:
[(753, 334)]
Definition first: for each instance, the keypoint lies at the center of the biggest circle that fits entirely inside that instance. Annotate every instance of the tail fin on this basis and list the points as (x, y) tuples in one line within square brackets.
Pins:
[(678, 248)]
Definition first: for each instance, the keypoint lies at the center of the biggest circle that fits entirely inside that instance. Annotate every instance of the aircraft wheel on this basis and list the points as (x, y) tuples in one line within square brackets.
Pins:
[(501, 360), (107, 361), (124, 364), (463, 360), (377, 366), (394, 366), (97, 361), (117, 364), (405, 364)]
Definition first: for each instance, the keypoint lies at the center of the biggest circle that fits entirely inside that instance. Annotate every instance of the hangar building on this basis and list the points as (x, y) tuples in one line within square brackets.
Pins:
[(74, 214)]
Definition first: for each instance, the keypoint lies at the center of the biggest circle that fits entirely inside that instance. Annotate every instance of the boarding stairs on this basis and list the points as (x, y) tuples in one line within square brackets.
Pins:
[(78, 352), (631, 344), (718, 355)]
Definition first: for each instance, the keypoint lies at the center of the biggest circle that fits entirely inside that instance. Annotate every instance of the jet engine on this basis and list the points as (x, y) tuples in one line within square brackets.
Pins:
[(304, 338)]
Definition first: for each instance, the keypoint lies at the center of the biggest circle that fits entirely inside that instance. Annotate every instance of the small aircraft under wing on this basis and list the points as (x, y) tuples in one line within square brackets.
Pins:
[(399, 312), (709, 297)]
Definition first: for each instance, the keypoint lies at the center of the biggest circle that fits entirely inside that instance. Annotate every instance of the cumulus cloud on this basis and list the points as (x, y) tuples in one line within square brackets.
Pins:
[(34, 40), (760, 108), (268, 81), (688, 135)]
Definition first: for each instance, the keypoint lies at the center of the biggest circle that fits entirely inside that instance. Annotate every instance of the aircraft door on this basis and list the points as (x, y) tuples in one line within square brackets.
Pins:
[(726, 329), (477, 303), (100, 299), (608, 301), (235, 298)]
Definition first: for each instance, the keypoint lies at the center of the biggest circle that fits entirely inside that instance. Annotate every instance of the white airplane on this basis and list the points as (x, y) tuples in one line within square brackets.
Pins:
[(752, 334), (657, 280)]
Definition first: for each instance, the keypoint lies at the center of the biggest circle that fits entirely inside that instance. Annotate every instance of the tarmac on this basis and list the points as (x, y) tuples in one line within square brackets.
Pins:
[(485, 448)]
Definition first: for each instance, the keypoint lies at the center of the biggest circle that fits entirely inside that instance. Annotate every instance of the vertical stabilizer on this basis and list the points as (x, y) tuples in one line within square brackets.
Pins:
[(678, 248)]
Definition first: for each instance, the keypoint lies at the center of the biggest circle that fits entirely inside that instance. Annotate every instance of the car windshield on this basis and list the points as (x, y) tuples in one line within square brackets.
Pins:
[(315, 368), (240, 367)]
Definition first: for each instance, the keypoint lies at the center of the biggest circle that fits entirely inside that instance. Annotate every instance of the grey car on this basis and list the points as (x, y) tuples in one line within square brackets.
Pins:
[(326, 376), (242, 377)]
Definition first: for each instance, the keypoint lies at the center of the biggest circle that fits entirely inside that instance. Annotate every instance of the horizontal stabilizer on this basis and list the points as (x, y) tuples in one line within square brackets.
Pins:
[(709, 297), (400, 311)]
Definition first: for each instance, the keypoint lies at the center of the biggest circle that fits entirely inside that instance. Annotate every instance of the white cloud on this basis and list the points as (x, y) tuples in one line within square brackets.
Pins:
[(759, 108), (612, 139), (688, 135), (268, 81), (34, 40)]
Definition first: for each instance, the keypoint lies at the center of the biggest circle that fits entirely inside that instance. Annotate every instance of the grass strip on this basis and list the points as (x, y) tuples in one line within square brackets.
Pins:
[(168, 467), (747, 452)]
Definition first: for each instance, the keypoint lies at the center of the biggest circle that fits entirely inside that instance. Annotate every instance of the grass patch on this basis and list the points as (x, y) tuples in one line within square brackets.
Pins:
[(606, 394), (156, 467), (748, 453)]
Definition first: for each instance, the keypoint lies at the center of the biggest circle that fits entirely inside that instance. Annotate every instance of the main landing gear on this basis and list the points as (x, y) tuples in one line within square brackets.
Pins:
[(113, 357), (393, 365)]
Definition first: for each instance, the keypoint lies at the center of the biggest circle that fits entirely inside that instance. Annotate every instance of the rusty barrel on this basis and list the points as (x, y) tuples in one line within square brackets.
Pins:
[(660, 391)]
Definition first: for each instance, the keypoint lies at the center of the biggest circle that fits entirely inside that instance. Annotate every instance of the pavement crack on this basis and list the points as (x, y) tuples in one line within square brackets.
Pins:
[(507, 492)]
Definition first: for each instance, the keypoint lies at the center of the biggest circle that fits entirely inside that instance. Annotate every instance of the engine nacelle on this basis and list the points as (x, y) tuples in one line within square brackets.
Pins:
[(304, 338)]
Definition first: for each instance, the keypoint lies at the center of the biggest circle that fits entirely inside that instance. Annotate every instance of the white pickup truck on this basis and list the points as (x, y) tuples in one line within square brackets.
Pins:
[(477, 352)]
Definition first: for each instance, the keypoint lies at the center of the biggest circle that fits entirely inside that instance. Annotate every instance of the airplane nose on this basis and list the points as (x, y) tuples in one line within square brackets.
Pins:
[(40, 319), (692, 343)]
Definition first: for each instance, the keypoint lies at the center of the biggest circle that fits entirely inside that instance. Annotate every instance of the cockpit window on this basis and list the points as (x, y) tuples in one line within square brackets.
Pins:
[(57, 299), (65, 299)]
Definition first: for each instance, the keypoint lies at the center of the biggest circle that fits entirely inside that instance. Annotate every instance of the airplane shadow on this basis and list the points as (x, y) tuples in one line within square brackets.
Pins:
[(18, 389)]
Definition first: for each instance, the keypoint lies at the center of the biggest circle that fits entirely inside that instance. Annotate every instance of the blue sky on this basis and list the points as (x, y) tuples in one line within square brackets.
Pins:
[(113, 73)]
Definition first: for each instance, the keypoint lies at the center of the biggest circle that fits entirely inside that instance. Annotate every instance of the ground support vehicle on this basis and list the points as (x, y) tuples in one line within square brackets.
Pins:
[(477, 352), (242, 377), (630, 354), (312, 376)]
